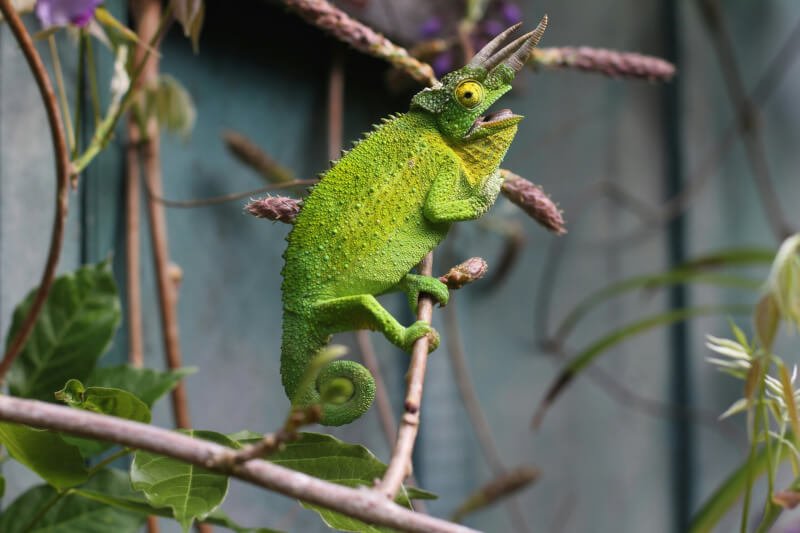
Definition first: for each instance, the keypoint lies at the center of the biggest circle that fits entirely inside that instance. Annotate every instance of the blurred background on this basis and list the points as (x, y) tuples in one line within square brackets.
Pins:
[(649, 175)]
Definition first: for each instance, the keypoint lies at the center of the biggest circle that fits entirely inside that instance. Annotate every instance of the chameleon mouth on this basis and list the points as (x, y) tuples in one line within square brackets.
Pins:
[(494, 121)]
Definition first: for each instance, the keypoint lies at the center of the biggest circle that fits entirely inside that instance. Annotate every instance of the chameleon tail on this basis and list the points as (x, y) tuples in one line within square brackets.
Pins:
[(348, 387)]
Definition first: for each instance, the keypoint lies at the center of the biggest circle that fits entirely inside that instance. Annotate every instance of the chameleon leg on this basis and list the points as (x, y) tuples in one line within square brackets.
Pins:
[(413, 284), (363, 311), (441, 207)]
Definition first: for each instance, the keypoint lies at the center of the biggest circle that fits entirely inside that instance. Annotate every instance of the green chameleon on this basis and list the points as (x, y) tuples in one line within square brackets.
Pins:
[(380, 209)]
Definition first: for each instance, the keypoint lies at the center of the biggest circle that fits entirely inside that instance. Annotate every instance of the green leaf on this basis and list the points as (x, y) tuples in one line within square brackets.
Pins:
[(731, 257), (326, 457), (171, 105), (190, 491), (46, 453), (104, 400), (139, 505), (731, 490), (674, 277), (148, 385), (70, 513), (597, 348), (74, 329), (766, 318)]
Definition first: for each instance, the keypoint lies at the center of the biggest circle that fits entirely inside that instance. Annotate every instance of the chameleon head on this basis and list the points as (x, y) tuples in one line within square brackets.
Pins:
[(460, 99)]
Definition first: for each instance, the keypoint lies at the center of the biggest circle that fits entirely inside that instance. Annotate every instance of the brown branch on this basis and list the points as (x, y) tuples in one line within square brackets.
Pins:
[(133, 285), (62, 182), (149, 15), (361, 503), (361, 37), (602, 61), (400, 462)]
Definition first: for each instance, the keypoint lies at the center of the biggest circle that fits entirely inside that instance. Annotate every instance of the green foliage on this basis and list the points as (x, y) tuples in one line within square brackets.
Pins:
[(42, 510), (192, 492), (352, 465), (148, 385), (729, 492), (771, 401), (104, 400), (74, 329), (46, 453)]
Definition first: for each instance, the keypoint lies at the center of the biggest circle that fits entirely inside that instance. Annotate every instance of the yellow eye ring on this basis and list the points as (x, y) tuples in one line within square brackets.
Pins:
[(469, 93)]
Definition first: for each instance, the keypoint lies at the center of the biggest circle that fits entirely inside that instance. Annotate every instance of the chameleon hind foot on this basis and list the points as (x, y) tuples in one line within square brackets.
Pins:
[(419, 329)]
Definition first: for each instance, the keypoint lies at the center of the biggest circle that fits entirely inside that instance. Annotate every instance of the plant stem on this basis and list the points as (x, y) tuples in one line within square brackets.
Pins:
[(400, 463), (62, 180), (62, 91), (93, 87), (81, 89), (102, 134)]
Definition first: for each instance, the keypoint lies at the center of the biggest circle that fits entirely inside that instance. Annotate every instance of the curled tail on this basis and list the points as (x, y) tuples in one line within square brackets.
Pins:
[(347, 386)]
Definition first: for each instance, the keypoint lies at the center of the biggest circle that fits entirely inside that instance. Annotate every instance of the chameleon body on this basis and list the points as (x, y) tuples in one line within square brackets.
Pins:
[(379, 210)]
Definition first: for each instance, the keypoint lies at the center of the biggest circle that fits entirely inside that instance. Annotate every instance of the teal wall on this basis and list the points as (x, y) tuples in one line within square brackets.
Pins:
[(606, 448)]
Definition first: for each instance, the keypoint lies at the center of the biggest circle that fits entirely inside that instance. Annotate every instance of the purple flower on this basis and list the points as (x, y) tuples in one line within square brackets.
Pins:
[(511, 13), (431, 28), (492, 27), (443, 63), (64, 12)]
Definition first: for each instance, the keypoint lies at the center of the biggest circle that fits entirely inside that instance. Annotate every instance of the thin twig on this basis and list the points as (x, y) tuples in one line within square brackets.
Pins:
[(361, 503), (400, 462), (502, 486), (62, 182), (216, 200), (370, 360), (361, 37), (477, 418), (272, 442), (748, 116), (62, 90), (133, 286), (149, 15)]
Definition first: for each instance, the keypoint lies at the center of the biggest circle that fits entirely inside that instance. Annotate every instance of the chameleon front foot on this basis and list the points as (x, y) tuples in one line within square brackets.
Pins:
[(419, 329), (414, 284)]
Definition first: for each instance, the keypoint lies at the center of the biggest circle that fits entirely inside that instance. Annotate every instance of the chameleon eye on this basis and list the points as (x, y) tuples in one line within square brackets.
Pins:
[(469, 93)]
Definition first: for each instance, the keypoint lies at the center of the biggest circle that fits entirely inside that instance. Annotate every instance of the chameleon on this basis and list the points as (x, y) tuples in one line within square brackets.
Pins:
[(380, 209)]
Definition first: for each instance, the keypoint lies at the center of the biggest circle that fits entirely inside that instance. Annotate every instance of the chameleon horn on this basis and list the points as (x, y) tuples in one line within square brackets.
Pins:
[(506, 51), (491, 47), (520, 56)]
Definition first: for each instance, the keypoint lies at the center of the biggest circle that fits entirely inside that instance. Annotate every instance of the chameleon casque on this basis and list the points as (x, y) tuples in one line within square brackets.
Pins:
[(380, 209)]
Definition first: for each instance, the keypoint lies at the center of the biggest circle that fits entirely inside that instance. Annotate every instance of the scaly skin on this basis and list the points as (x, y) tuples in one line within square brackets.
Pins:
[(376, 214)]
